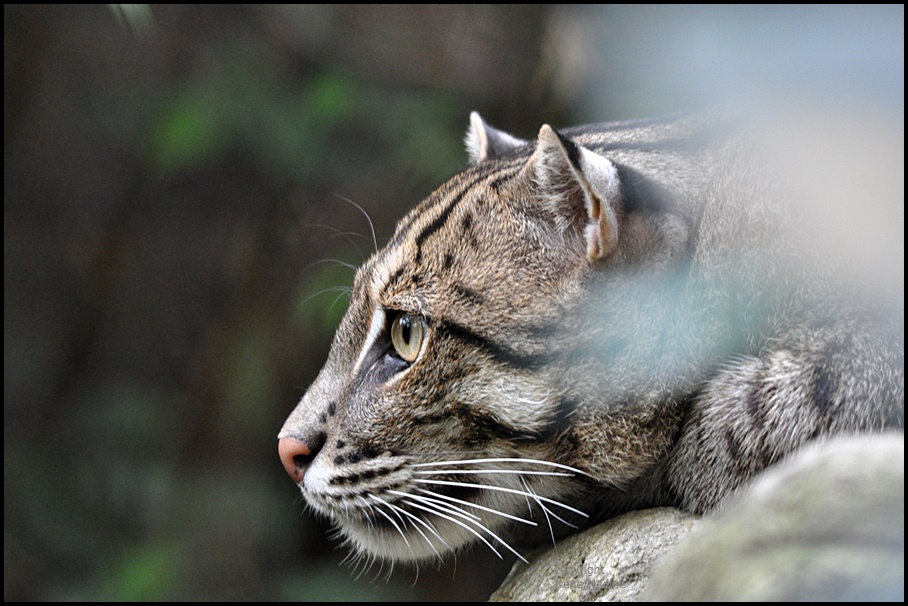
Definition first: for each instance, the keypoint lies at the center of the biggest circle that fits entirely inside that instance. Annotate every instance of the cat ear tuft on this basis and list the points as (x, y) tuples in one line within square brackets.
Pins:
[(579, 187), (484, 142)]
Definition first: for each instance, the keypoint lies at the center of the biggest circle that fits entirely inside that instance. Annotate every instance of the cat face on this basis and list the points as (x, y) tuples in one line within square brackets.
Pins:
[(463, 372), (425, 425)]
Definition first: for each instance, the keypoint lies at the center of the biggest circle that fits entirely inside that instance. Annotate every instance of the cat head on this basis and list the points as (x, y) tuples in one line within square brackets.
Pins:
[(450, 403)]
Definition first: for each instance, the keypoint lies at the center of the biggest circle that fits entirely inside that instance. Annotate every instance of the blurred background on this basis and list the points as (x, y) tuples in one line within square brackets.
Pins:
[(176, 223)]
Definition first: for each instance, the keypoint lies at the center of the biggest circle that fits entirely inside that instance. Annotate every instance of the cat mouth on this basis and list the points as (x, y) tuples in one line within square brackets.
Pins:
[(419, 526), (440, 509)]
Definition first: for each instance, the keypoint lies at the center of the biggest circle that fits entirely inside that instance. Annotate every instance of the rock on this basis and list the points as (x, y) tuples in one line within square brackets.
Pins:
[(827, 525), (610, 562)]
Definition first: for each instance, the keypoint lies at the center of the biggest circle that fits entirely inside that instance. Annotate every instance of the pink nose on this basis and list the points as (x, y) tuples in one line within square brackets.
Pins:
[(293, 453)]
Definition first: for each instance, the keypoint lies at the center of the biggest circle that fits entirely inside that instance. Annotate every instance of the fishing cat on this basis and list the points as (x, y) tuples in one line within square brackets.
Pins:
[(607, 318)]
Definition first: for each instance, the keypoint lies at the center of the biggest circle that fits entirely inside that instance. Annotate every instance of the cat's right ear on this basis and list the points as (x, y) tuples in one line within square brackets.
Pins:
[(484, 142), (580, 188)]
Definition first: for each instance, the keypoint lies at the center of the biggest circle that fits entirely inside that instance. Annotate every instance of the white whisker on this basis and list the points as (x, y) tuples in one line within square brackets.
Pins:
[(355, 557), (452, 509), (544, 509), (393, 523), (509, 471), (503, 460), (468, 517), (399, 510), (343, 290), (459, 523), (501, 489), (558, 517), (426, 539), (381, 566), (529, 504), (390, 572), (368, 218), (349, 266), (477, 506), (367, 566), (336, 299), (346, 235)]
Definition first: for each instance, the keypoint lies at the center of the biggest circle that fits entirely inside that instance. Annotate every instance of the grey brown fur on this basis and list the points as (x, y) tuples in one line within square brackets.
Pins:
[(632, 301)]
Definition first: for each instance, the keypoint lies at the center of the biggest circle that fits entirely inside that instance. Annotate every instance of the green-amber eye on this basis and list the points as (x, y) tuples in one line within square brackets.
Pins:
[(407, 334)]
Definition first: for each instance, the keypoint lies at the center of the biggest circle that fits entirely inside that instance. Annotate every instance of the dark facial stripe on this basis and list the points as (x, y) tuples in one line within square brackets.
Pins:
[(442, 218), (431, 204), (404, 225), (439, 221), (468, 294), (396, 276), (501, 354), (497, 183), (486, 427), (508, 171), (467, 222), (428, 207), (560, 421)]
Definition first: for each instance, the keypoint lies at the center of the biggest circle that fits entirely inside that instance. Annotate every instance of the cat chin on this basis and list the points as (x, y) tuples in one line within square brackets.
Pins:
[(388, 544)]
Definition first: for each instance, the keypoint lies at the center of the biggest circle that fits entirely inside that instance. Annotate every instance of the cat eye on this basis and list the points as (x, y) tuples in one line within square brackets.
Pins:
[(407, 333)]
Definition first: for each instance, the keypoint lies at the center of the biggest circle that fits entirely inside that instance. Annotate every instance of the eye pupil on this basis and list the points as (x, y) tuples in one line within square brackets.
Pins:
[(407, 335)]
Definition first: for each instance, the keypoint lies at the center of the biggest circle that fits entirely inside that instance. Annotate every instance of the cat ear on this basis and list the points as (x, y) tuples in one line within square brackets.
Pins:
[(485, 142), (580, 187)]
